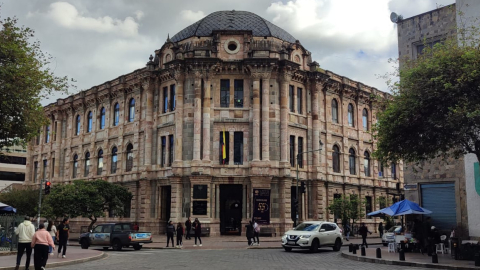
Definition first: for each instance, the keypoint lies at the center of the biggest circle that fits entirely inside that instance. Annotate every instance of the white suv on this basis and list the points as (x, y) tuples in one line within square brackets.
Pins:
[(313, 235)]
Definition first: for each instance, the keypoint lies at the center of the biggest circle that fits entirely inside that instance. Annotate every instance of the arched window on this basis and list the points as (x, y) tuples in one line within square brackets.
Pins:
[(89, 123), (336, 159), (77, 125), (366, 163), (351, 161), (129, 161), (114, 160), (116, 114), (365, 119), (131, 110), (100, 162), (102, 118), (75, 166), (351, 121), (87, 164), (334, 111)]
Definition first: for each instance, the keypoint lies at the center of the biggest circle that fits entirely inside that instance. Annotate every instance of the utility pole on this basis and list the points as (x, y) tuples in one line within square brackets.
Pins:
[(40, 201)]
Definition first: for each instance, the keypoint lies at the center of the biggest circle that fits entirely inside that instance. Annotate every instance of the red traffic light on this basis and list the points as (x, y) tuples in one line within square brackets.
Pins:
[(48, 183)]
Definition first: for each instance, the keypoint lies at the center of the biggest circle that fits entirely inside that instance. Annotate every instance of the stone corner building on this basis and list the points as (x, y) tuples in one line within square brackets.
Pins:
[(220, 110)]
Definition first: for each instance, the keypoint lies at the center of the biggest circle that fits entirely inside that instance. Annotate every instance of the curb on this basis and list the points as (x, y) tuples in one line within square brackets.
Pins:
[(57, 264), (7, 253), (403, 263)]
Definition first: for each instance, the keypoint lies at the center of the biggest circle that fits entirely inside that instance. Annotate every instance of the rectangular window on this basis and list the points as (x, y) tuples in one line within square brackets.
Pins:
[(299, 100), (55, 132), (200, 192), (165, 99), (380, 170), (45, 164), (300, 150), (224, 147), (225, 93), (368, 205), (382, 202), (238, 93), (47, 134), (290, 98), (394, 171), (292, 151), (170, 150), (164, 151), (238, 148), (35, 171), (53, 167), (172, 98)]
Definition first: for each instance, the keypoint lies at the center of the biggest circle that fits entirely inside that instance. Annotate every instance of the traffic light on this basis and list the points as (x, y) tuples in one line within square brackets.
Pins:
[(302, 187), (48, 184)]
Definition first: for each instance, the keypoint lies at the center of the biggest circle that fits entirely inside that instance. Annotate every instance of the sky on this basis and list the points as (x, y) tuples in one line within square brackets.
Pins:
[(96, 41)]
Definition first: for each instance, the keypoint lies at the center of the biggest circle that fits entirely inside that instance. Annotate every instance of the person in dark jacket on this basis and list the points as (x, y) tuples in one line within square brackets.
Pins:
[(249, 233), (198, 231), (363, 231), (180, 232), (380, 229), (170, 232), (188, 226)]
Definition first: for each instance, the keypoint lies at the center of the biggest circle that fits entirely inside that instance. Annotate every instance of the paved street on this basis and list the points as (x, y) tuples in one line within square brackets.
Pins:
[(227, 259)]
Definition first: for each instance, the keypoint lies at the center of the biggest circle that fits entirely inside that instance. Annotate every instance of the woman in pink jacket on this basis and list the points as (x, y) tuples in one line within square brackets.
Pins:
[(41, 242)]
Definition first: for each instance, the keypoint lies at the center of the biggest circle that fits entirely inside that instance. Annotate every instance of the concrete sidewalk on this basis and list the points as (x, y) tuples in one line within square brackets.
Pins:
[(445, 261), (74, 256)]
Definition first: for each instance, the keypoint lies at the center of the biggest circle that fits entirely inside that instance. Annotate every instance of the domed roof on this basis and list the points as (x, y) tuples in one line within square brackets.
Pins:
[(233, 20)]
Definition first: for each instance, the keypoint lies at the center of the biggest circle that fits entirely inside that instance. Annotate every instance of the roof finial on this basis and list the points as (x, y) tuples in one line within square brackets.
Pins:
[(168, 38)]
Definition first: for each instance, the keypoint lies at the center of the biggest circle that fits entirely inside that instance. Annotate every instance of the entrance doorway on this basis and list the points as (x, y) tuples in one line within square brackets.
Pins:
[(165, 203), (231, 209)]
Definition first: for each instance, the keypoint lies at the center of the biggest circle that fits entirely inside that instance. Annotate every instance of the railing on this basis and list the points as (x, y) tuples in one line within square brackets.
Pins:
[(8, 238)]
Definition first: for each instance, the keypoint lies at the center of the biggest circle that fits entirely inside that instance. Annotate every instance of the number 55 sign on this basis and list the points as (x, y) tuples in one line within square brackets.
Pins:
[(261, 206)]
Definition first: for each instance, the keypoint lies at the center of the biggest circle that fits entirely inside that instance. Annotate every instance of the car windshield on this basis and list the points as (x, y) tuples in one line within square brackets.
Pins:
[(307, 227), (394, 228)]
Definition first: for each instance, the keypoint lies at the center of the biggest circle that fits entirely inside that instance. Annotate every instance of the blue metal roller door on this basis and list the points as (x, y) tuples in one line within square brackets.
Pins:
[(440, 199)]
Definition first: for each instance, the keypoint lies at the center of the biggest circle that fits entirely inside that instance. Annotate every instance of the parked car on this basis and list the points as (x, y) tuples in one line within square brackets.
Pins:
[(313, 235), (389, 236), (115, 235)]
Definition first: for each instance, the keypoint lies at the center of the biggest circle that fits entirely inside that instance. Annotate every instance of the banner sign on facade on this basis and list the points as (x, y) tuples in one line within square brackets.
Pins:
[(261, 206)]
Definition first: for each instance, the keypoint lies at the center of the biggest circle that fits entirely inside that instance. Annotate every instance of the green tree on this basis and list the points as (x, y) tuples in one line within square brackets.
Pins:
[(25, 200), (25, 79), (89, 199), (348, 208), (435, 107)]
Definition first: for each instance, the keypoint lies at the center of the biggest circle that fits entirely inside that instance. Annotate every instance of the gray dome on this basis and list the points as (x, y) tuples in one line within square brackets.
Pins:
[(233, 20)]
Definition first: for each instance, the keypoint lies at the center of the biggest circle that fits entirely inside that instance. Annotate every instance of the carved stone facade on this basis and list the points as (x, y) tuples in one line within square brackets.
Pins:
[(264, 94)]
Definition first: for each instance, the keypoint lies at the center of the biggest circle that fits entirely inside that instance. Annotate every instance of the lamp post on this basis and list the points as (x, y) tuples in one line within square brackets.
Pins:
[(297, 204)]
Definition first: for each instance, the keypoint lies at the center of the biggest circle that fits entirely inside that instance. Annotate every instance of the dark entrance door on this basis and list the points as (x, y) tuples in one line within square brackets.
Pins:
[(165, 204), (231, 209)]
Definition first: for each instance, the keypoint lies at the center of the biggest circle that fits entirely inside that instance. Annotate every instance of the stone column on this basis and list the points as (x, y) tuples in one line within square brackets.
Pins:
[(256, 116), (197, 116), (315, 125), (148, 87), (265, 117), (206, 120), (176, 199), (285, 78), (179, 77)]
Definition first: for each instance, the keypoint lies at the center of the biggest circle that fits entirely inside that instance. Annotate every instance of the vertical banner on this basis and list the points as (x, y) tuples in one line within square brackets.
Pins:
[(261, 206)]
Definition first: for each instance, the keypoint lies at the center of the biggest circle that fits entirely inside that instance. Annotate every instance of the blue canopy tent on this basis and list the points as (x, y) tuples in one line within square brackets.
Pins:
[(6, 209), (401, 208)]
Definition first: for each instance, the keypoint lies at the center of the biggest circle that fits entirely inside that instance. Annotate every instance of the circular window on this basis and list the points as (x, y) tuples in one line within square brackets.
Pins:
[(232, 46)]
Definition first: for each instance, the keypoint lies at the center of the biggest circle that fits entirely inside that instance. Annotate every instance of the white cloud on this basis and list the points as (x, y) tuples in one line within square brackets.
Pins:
[(191, 16), (68, 16), (139, 14)]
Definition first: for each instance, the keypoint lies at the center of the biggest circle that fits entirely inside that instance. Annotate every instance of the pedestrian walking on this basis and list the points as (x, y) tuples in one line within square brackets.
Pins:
[(380, 229), (197, 226), (256, 233), (180, 233), (188, 226), (63, 234), (53, 232), (348, 230), (170, 232), (25, 232), (41, 242), (249, 232), (363, 231)]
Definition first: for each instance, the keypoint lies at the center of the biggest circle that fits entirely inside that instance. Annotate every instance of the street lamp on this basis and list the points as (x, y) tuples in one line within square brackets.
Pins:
[(299, 155)]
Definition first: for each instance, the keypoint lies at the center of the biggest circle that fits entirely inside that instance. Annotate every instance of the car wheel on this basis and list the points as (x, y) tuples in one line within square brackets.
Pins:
[(84, 244), (315, 245), (338, 245), (137, 247), (287, 249), (117, 245), (105, 248)]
